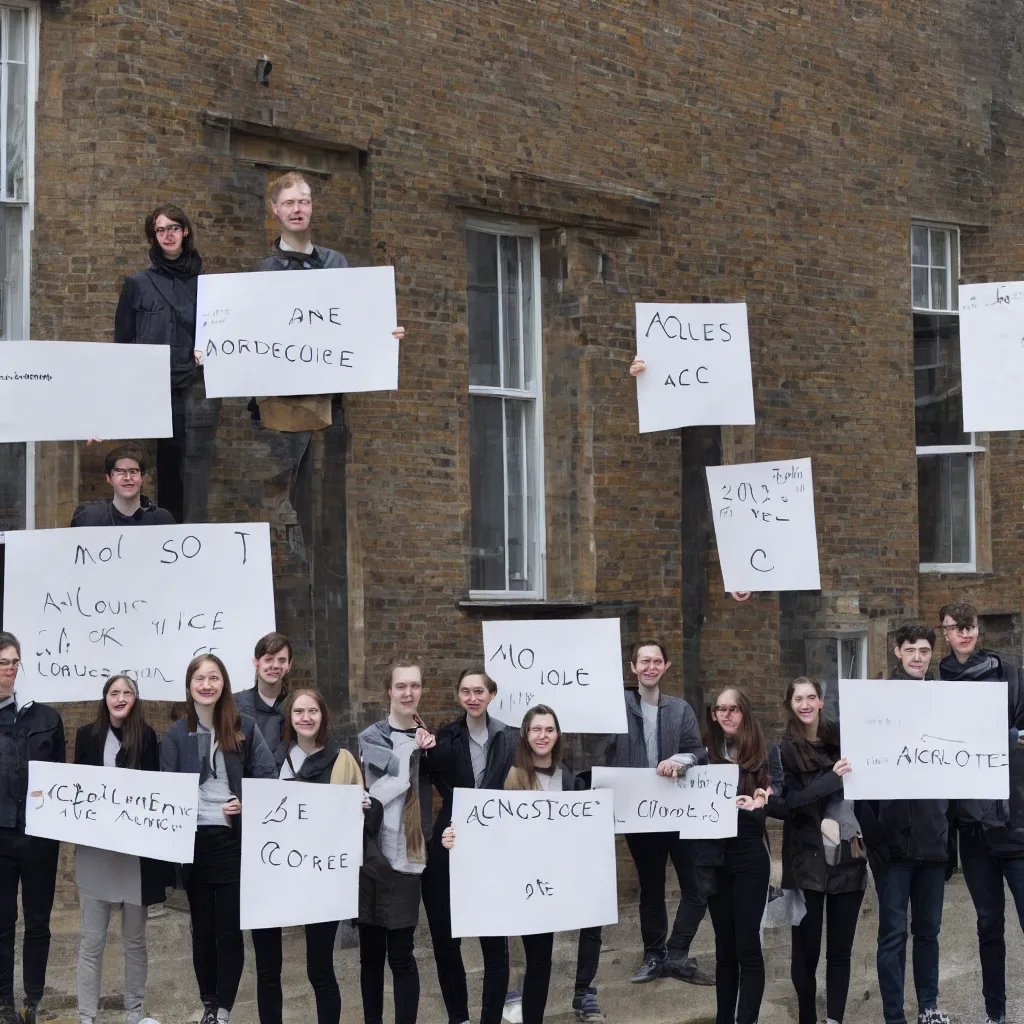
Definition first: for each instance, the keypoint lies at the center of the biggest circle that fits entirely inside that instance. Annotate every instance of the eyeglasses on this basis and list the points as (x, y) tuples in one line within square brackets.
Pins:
[(290, 204), (10, 663), (727, 710), (131, 474), (962, 630), (170, 229)]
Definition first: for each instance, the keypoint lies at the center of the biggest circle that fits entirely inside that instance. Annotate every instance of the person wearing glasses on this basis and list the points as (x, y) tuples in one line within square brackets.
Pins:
[(990, 833), (125, 468), (31, 732), (157, 306)]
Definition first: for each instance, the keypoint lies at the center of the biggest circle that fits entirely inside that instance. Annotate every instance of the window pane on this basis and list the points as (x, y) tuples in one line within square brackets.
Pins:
[(518, 520), (851, 658), (510, 319), (940, 289), (12, 490), (17, 129), (16, 34), (919, 287), (938, 254), (944, 508), (919, 245), (487, 490), (482, 309), (937, 404), (954, 274), (530, 346)]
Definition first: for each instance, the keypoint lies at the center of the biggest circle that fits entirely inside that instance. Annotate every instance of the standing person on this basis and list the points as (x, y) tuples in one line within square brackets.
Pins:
[(214, 742), (157, 306), (735, 872), (823, 853), (908, 849), (538, 765), (125, 468), (990, 833), (118, 738), (398, 828), (272, 660), (661, 728), (306, 753), (33, 732), (474, 751)]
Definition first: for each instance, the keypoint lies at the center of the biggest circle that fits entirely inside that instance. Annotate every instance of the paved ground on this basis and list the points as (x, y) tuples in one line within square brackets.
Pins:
[(172, 999)]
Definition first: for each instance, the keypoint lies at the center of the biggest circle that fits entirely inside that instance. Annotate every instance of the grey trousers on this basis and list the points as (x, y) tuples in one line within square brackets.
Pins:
[(95, 919)]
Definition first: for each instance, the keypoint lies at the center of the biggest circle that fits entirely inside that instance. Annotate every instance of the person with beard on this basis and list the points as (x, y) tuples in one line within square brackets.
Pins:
[(157, 306), (990, 833)]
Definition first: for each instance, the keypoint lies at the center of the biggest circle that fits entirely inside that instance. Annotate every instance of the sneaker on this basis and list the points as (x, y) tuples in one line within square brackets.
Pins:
[(209, 1015), (28, 1013), (651, 969), (932, 1016), (686, 969), (139, 1014), (585, 1005)]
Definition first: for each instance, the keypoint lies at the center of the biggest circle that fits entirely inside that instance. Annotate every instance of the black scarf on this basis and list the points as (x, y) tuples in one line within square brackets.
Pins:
[(980, 666), (814, 758), (302, 260), (188, 264)]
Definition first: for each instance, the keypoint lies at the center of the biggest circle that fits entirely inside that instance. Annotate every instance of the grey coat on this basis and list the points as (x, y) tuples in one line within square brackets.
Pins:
[(678, 733)]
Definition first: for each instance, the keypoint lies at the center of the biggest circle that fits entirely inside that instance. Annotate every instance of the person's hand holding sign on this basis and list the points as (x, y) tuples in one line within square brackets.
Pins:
[(637, 366)]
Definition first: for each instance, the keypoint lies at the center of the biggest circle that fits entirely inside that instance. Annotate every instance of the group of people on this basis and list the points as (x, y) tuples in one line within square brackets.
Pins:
[(273, 731)]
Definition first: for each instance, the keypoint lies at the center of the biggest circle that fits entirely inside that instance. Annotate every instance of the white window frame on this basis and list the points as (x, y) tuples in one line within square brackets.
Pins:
[(536, 394), (971, 447)]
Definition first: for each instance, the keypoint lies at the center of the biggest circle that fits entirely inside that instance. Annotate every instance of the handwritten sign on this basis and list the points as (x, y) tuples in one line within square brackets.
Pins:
[(764, 525), (924, 739), (302, 847), (572, 665), (698, 365), (318, 332), (148, 814), (61, 391), (992, 355), (546, 862), (142, 600), (700, 805)]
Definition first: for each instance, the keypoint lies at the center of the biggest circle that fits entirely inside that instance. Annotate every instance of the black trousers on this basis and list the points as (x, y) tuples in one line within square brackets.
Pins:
[(32, 862), (266, 944), (184, 460), (537, 978), (651, 852), (842, 909), (395, 945), (451, 972)]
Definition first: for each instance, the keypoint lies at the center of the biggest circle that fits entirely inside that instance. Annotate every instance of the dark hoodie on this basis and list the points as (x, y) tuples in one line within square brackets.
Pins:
[(102, 512), (268, 719)]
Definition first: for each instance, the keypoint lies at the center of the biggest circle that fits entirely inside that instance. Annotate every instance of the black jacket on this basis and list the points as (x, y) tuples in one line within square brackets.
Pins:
[(268, 719), (156, 875), (39, 736), (316, 767), (102, 512), (156, 308), (800, 798), (1001, 821)]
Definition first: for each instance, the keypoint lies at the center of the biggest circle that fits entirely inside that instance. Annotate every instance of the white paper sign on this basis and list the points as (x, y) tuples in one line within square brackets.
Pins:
[(74, 390), (317, 332), (147, 814), (992, 355), (764, 525), (302, 847), (698, 365), (924, 739), (529, 862), (700, 805), (143, 600), (572, 665)]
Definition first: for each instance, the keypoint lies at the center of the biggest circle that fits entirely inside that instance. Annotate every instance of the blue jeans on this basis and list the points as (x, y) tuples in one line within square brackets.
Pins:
[(921, 884), (984, 873)]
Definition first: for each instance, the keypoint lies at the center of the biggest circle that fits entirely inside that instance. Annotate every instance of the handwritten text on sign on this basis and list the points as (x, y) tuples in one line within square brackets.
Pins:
[(572, 665), (700, 805), (60, 391), (992, 355), (921, 739), (698, 365), (302, 847), (764, 525), (319, 332), (545, 860), (148, 814), (89, 602)]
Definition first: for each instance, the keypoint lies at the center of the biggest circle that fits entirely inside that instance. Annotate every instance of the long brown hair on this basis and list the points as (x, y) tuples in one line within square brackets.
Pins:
[(322, 734), (227, 722), (828, 731), (524, 766), (748, 751), (133, 732)]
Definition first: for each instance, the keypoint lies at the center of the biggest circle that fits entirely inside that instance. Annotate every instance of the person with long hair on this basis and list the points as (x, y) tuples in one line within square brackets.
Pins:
[(397, 828), (823, 853), (734, 873), (118, 738), (214, 742)]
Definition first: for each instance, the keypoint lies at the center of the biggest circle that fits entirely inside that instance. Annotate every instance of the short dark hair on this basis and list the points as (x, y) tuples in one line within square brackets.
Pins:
[(178, 216), (647, 643), (474, 670), (125, 451), (911, 632), (10, 640), (961, 611), (272, 643)]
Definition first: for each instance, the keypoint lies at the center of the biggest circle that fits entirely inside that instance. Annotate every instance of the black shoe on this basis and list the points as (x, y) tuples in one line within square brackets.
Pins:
[(28, 1013), (651, 969), (209, 1015), (686, 969)]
